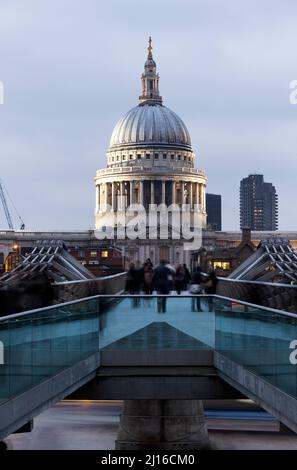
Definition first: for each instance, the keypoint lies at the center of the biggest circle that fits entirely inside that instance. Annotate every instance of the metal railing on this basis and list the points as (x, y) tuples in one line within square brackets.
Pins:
[(71, 290), (272, 295), (40, 343)]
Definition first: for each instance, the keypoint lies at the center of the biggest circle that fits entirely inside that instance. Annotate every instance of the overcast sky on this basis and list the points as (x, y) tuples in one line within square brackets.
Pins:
[(71, 69)]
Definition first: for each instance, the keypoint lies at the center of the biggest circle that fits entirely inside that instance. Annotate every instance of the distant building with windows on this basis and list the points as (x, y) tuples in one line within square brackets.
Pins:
[(214, 212), (150, 161), (258, 204)]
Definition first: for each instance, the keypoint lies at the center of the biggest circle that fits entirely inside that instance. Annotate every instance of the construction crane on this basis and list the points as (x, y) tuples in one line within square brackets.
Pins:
[(6, 210)]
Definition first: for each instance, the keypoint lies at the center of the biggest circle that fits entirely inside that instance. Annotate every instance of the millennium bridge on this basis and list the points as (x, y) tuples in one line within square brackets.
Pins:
[(163, 365)]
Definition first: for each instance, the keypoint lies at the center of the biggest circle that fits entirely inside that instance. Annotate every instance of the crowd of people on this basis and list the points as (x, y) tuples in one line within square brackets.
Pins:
[(164, 279)]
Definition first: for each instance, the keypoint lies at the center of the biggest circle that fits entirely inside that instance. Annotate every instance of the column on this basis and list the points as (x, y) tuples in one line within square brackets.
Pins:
[(141, 192), (163, 191), (197, 195), (182, 192), (131, 192), (97, 198), (173, 192), (106, 196), (190, 195), (113, 198), (204, 197), (152, 192), (122, 194), (162, 424), (200, 194)]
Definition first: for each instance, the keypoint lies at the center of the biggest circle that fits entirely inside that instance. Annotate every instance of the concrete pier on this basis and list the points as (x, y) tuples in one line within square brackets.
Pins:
[(162, 424)]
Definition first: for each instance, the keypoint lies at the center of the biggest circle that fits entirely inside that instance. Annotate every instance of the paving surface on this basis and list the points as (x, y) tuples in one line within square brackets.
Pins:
[(93, 426)]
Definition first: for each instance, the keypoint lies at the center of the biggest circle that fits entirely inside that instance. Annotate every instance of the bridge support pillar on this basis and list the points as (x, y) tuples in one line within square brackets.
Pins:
[(162, 424)]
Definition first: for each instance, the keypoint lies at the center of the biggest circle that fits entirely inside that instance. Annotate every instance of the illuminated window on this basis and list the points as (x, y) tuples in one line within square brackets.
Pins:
[(93, 253), (104, 254), (225, 265)]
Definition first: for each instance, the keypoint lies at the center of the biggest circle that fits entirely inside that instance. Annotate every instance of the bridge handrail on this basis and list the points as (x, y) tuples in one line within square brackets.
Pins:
[(81, 281), (272, 284), (108, 296)]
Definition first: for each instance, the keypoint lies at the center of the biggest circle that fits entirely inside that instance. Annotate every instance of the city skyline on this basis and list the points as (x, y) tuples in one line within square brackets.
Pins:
[(63, 98)]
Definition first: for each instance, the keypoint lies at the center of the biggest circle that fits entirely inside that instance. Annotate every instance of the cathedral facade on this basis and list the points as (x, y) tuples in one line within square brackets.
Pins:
[(150, 162)]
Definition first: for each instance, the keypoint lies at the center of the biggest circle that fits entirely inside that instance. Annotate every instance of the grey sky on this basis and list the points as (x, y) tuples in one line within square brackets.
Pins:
[(71, 69)]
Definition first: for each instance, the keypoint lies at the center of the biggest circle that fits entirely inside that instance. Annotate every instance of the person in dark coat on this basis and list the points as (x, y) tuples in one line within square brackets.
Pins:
[(196, 288), (131, 281), (180, 279), (148, 278), (162, 284), (211, 287), (149, 263), (187, 276)]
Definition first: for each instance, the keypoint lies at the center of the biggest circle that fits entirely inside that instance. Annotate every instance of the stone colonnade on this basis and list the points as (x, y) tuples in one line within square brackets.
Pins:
[(150, 191)]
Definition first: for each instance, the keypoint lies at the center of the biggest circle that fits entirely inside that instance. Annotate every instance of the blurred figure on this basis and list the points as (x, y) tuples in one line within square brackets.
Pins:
[(196, 289), (162, 283), (149, 263), (180, 276), (211, 287), (25, 292), (187, 277), (148, 278), (139, 281), (131, 283), (171, 275)]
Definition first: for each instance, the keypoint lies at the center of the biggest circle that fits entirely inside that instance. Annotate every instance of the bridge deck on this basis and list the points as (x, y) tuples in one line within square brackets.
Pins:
[(52, 352)]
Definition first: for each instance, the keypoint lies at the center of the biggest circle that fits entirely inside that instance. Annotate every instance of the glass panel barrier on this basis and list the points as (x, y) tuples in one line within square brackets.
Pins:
[(39, 344), (258, 339)]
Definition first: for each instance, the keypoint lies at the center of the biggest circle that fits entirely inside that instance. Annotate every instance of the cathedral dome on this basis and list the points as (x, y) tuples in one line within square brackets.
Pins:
[(150, 124)]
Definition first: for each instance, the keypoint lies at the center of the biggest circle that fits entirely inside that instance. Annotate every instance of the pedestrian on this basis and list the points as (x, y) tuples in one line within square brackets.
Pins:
[(162, 283), (179, 279), (131, 279), (148, 277), (211, 287), (187, 276), (171, 276), (196, 289), (139, 277), (149, 263)]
